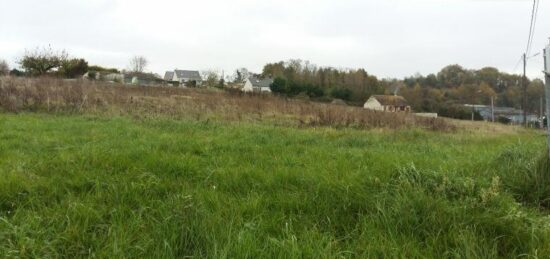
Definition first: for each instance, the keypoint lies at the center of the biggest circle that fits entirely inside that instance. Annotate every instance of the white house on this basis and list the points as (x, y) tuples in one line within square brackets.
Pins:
[(254, 84), (387, 103), (105, 76), (183, 77)]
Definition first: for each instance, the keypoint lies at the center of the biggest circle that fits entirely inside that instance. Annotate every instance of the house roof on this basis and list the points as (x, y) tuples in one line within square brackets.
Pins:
[(257, 82), (497, 110), (188, 74), (391, 100), (169, 75), (339, 102), (142, 76)]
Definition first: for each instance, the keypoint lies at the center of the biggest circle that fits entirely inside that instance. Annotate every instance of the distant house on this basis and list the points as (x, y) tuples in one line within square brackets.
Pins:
[(129, 78), (112, 77), (104, 76), (513, 115), (143, 79), (169, 76), (387, 103), (183, 77), (254, 84), (339, 102), (427, 115)]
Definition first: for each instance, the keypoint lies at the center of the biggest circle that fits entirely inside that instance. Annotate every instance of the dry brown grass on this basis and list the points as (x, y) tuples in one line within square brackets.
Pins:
[(487, 128), (52, 95)]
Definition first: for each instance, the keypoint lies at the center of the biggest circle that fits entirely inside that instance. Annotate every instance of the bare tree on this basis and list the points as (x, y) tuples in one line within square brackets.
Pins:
[(138, 64), (241, 75), (4, 68), (41, 61)]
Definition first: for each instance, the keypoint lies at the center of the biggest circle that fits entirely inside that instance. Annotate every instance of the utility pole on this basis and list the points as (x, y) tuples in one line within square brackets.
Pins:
[(524, 86), (541, 114), (547, 89), (492, 108)]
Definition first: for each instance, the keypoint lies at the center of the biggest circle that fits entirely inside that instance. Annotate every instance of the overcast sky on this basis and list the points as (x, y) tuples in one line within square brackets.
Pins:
[(389, 38)]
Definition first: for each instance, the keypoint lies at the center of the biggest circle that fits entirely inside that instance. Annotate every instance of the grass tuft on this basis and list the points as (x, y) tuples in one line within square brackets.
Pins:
[(527, 178)]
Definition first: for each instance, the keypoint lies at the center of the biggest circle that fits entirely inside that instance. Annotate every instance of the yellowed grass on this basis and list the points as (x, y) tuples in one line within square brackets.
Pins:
[(53, 95), (483, 127)]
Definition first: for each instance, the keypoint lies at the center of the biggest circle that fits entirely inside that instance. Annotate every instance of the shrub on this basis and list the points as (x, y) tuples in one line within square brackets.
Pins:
[(341, 93), (503, 120), (103, 69), (92, 75), (73, 68), (284, 87), (191, 84), (17, 73), (314, 91), (279, 85), (458, 112)]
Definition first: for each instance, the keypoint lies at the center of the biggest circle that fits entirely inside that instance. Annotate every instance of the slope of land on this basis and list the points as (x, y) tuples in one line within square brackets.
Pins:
[(89, 185), (61, 96)]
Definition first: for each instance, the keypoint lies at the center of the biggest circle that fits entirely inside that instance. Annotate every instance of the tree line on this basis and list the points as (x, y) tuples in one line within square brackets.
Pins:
[(296, 77), (58, 63), (443, 92), (455, 85)]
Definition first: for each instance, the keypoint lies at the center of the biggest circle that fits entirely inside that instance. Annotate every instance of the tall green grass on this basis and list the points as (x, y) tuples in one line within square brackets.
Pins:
[(527, 176), (86, 186)]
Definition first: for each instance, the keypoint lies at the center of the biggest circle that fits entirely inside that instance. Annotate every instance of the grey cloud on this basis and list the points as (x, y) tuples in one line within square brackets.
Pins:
[(391, 38)]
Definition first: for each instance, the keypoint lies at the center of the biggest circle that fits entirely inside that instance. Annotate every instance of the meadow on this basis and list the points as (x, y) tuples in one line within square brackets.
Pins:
[(84, 182)]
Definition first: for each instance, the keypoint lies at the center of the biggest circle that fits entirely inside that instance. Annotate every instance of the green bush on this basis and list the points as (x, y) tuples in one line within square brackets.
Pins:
[(103, 69), (341, 93), (526, 175), (73, 68), (279, 86), (284, 87), (458, 112)]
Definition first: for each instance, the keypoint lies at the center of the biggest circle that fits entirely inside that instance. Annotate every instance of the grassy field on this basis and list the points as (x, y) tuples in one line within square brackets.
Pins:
[(121, 187)]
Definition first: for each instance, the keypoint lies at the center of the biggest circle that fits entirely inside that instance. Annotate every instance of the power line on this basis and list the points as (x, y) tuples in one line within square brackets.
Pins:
[(532, 26), (535, 24), (517, 64), (523, 84)]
